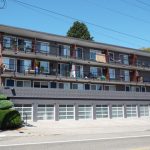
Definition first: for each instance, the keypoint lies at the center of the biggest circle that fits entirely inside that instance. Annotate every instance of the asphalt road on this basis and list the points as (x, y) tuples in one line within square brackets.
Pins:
[(116, 143)]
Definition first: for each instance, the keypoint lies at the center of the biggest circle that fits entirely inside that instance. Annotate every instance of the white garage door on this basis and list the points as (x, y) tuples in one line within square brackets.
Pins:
[(85, 112), (131, 110), (66, 112), (25, 110), (102, 111), (45, 112), (117, 111), (144, 111)]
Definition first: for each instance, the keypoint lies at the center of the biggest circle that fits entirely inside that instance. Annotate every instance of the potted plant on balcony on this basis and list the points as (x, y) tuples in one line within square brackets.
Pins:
[(41, 69)]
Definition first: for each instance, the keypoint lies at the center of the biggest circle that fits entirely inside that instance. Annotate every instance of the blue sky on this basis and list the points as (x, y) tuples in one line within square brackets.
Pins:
[(131, 17)]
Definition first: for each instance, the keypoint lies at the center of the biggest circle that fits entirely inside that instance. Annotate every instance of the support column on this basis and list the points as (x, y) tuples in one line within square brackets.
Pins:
[(76, 112), (125, 112), (56, 112), (35, 106), (94, 111), (138, 110), (110, 111)]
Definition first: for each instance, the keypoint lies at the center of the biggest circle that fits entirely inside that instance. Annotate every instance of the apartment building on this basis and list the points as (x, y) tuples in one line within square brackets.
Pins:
[(51, 77)]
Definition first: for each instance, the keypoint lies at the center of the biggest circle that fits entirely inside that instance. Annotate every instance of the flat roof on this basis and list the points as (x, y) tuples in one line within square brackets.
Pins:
[(64, 39)]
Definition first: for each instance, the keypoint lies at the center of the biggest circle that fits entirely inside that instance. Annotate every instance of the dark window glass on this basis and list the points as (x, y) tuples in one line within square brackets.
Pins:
[(10, 83), (37, 84), (19, 83), (87, 86), (53, 85), (61, 85), (44, 84), (143, 89), (127, 88)]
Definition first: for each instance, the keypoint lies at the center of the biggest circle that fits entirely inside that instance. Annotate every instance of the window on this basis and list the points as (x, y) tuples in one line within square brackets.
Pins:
[(127, 88), (79, 71), (45, 112), (23, 65), (19, 83), (60, 85), (67, 86), (124, 59), (144, 111), (23, 83), (10, 82), (110, 87), (102, 111), (85, 112), (9, 63), (93, 87), (78, 86), (37, 84), (79, 54), (64, 70), (43, 47), (66, 112), (7, 42), (117, 111), (112, 73), (111, 57), (74, 86), (143, 89), (93, 55), (44, 66), (124, 75), (64, 85), (64, 50), (93, 71), (87, 86), (24, 45), (53, 85), (25, 110), (27, 83), (131, 111), (44, 84)]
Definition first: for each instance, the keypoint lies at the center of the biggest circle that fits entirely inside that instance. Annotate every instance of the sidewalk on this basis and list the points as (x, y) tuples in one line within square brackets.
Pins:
[(72, 127)]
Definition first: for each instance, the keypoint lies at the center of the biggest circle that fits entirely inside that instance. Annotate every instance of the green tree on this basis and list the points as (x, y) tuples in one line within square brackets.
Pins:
[(79, 30), (146, 49)]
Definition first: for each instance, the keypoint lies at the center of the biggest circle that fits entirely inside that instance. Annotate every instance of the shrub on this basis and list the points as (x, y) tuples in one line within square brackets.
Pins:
[(9, 119), (5, 104), (3, 97)]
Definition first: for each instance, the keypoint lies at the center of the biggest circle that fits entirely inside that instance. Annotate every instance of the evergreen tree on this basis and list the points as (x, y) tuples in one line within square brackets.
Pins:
[(79, 30)]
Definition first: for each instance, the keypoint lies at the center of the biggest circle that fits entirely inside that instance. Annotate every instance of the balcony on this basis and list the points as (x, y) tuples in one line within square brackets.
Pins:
[(62, 54), (64, 74)]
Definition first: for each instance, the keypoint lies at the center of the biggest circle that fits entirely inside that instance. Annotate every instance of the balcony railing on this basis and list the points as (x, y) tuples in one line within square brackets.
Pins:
[(27, 71), (54, 51)]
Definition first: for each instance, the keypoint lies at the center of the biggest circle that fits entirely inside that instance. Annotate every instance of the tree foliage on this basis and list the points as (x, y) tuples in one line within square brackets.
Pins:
[(4, 103), (146, 49), (79, 30)]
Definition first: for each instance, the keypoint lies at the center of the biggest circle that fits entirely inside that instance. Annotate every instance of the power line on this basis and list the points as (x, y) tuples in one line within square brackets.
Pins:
[(120, 12), (146, 4), (135, 5), (117, 39), (104, 34), (87, 22)]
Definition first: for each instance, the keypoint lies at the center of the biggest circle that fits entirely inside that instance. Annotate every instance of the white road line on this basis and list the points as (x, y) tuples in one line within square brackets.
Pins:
[(70, 141)]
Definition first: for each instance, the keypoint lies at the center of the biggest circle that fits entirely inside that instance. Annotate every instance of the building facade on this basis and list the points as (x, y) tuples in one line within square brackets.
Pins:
[(51, 77)]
